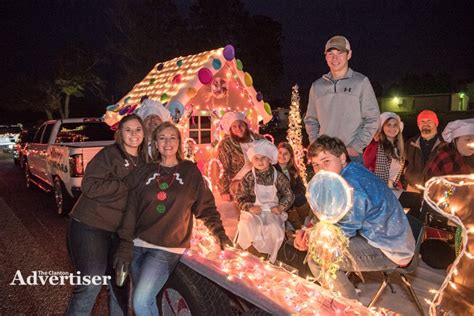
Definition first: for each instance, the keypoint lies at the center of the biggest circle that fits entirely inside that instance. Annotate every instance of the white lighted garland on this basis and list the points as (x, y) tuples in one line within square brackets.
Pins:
[(464, 180)]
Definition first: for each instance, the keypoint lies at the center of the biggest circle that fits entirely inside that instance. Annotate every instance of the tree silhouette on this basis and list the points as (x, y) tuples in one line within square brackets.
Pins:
[(257, 39), (413, 84), (144, 33), (76, 74)]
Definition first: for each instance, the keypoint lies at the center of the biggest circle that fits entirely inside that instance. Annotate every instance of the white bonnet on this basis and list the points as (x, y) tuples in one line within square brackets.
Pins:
[(229, 118), (458, 128), (265, 148), (151, 107), (385, 116)]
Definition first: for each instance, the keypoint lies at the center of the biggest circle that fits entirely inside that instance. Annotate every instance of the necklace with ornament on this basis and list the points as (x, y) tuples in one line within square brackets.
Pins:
[(164, 182)]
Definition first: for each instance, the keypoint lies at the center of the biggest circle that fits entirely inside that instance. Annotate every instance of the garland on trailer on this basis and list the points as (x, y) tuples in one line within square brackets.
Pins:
[(294, 134)]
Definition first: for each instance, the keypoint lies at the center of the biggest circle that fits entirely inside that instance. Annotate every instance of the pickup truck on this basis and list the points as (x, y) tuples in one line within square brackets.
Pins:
[(57, 156), (8, 136)]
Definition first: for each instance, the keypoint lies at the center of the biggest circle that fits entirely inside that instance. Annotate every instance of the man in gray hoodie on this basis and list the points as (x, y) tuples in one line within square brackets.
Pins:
[(342, 102)]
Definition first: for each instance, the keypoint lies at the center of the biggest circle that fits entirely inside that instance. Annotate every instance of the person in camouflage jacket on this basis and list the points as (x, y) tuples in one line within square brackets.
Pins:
[(231, 150)]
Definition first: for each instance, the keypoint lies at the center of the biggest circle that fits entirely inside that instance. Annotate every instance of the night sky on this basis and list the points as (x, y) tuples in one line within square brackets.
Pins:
[(388, 38)]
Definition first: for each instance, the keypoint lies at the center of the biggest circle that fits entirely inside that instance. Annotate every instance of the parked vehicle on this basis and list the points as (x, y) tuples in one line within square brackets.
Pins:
[(18, 152), (59, 153), (8, 136)]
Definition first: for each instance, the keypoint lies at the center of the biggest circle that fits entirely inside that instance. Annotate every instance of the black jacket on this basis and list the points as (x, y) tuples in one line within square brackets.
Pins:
[(298, 188), (104, 193)]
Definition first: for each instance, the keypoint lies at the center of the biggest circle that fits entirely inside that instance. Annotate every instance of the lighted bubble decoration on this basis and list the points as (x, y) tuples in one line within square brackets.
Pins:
[(329, 196)]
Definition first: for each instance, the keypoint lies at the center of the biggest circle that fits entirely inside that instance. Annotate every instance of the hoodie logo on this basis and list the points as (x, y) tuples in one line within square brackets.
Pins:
[(127, 164), (347, 89)]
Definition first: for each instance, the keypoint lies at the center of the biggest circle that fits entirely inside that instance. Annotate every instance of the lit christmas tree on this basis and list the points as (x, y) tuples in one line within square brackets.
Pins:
[(294, 135)]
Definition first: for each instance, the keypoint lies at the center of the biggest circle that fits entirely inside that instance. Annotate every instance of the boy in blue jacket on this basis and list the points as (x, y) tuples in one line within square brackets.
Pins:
[(379, 234)]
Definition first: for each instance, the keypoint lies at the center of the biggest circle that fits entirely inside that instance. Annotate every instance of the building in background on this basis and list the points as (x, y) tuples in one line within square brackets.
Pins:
[(443, 102)]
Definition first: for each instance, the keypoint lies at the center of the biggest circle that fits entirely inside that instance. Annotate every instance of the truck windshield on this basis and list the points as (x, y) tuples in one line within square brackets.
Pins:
[(84, 132)]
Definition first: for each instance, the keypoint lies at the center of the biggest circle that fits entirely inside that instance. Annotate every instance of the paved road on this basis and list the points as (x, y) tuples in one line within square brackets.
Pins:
[(32, 238)]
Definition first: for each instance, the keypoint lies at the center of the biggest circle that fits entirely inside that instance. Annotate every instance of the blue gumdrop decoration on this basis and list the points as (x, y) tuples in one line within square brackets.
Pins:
[(111, 107), (216, 64), (174, 107)]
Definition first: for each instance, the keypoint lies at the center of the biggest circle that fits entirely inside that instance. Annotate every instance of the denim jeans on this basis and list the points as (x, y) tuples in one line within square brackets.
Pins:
[(368, 258), (91, 251), (150, 269)]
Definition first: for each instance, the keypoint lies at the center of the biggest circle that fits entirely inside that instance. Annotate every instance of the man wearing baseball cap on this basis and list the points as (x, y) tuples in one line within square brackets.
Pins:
[(342, 103), (420, 149)]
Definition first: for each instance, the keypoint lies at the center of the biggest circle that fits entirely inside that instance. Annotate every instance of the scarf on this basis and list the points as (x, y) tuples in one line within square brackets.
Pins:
[(382, 164)]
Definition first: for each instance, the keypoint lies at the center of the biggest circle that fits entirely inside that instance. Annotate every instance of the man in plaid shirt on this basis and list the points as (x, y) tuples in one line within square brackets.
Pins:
[(457, 157)]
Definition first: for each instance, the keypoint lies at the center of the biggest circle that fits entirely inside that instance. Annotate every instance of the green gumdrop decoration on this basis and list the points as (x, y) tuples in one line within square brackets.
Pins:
[(152, 80), (127, 99), (164, 97), (267, 108), (161, 208), (239, 64)]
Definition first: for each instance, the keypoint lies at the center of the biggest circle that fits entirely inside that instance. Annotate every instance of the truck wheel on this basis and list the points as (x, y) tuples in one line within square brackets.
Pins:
[(62, 198), (27, 176), (189, 293)]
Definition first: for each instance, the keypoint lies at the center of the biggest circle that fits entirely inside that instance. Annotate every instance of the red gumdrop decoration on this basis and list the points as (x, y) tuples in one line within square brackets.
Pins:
[(177, 79), (161, 196)]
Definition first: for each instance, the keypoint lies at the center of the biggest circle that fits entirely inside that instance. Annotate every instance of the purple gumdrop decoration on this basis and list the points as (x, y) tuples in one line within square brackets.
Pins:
[(229, 52)]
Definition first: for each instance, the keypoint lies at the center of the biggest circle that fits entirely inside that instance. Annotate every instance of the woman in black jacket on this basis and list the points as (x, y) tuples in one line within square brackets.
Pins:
[(286, 164), (98, 213)]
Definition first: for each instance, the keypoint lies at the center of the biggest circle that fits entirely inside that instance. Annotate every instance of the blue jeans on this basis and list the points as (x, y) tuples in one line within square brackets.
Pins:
[(368, 258), (91, 251), (150, 269)]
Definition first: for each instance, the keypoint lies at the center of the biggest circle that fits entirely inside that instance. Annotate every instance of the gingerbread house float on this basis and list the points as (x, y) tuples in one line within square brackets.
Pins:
[(198, 90)]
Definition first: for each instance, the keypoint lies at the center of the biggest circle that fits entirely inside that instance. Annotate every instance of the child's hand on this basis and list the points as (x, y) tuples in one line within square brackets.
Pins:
[(255, 210), (277, 210), (301, 240)]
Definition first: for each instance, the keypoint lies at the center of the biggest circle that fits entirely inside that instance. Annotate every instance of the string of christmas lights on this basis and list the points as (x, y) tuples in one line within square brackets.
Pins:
[(445, 205), (294, 134), (284, 288)]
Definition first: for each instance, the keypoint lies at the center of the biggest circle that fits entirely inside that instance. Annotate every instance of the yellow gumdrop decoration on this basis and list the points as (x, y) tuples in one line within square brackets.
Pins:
[(248, 80)]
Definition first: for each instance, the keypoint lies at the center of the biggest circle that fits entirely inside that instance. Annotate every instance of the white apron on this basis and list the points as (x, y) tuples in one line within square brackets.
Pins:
[(265, 231)]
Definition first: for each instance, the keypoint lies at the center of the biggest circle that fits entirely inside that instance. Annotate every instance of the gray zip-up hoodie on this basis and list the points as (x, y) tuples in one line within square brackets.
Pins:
[(344, 108)]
